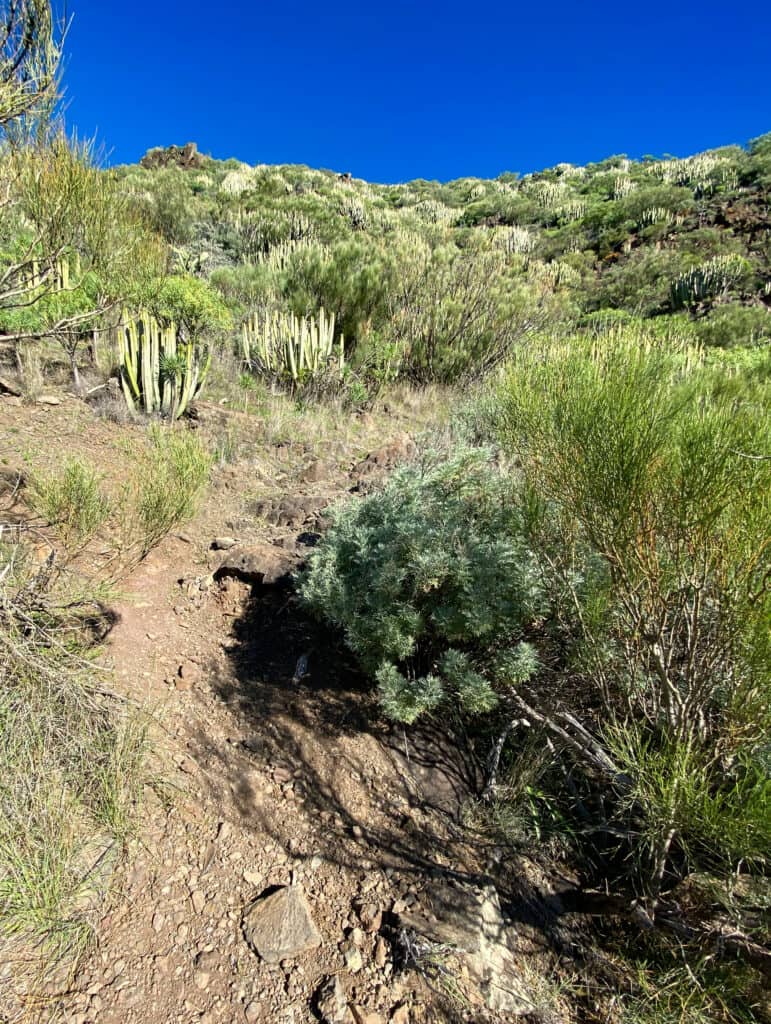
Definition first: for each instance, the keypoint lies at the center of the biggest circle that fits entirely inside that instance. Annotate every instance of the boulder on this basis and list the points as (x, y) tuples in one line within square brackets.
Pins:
[(367, 472), (280, 927), (258, 563), (8, 387), (223, 543)]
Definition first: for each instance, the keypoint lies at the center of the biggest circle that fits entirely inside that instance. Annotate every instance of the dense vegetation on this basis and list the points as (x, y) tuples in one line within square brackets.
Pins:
[(585, 558)]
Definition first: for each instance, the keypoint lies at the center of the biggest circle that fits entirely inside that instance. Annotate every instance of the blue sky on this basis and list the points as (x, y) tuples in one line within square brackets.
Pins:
[(403, 90)]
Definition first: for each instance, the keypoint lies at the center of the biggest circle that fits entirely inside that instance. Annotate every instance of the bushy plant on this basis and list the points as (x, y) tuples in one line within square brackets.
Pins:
[(166, 484), (71, 764), (657, 487), (432, 583), (734, 324), (72, 500)]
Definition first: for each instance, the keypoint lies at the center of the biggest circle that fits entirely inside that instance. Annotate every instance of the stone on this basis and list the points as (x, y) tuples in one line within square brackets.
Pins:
[(201, 980), (331, 1001), (371, 917), (199, 901), (471, 921), (364, 1016), (7, 387), (258, 563), (352, 957), (253, 1012), (381, 953), (315, 472), (49, 400), (223, 543), (280, 927)]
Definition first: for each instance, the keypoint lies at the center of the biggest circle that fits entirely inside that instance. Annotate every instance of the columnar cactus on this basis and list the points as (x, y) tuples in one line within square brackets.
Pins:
[(159, 370), (285, 345)]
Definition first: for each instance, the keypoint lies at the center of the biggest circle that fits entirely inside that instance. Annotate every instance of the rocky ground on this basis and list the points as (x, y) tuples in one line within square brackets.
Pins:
[(299, 859)]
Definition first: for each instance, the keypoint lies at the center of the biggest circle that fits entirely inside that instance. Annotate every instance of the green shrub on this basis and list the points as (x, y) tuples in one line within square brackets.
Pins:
[(431, 583), (457, 313), (71, 766), (655, 489), (167, 481), (73, 501), (733, 325)]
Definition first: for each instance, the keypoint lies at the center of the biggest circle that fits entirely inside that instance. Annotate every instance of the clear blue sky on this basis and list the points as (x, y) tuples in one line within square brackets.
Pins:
[(433, 90)]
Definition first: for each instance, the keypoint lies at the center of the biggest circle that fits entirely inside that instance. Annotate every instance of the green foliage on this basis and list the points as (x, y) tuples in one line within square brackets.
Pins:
[(734, 324), (659, 481), (431, 582), (193, 306), (458, 312), (73, 501), (71, 765), (167, 481), (650, 490)]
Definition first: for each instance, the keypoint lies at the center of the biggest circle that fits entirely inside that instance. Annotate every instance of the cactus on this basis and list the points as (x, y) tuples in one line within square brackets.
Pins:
[(285, 345), (708, 280), (159, 370)]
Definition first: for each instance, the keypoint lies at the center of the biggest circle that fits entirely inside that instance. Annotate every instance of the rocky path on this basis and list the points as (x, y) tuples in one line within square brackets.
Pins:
[(292, 842)]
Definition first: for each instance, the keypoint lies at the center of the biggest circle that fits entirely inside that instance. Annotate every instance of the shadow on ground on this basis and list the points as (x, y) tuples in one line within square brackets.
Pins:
[(313, 764)]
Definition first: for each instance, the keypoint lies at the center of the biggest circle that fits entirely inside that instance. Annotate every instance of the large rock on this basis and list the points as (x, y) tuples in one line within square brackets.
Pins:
[(258, 563), (280, 926), (471, 921)]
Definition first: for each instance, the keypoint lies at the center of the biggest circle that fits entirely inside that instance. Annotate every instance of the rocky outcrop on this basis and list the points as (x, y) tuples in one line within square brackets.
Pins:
[(263, 564), (187, 157)]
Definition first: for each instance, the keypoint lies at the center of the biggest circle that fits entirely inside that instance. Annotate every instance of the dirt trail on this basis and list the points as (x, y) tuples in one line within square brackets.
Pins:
[(263, 781)]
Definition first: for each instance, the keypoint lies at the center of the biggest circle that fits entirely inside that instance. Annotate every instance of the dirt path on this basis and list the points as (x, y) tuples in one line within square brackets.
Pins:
[(270, 765), (262, 781)]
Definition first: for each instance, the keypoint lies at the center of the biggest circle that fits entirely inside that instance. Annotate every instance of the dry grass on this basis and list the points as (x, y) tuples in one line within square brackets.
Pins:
[(71, 767)]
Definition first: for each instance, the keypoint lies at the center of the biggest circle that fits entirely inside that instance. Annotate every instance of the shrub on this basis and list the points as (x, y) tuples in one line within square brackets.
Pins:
[(71, 766), (73, 501), (457, 313), (656, 497), (733, 324), (431, 583), (168, 479)]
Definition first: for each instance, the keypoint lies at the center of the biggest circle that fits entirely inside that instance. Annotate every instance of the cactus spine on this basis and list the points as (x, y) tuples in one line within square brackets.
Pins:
[(285, 345), (159, 371)]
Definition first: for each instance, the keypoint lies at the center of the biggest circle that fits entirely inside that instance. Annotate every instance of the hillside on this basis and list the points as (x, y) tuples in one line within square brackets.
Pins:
[(683, 238), (384, 587)]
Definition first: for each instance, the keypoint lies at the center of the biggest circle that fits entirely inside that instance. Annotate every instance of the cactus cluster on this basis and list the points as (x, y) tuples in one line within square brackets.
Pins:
[(659, 215), (708, 280), (622, 186), (514, 240), (435, 213), (702, 173), (159, 371), (291, 347), (278, 256)]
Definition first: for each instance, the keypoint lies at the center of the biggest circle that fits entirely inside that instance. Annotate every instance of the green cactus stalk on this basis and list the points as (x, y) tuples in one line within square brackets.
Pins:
[(295, 348), (160, 372)]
